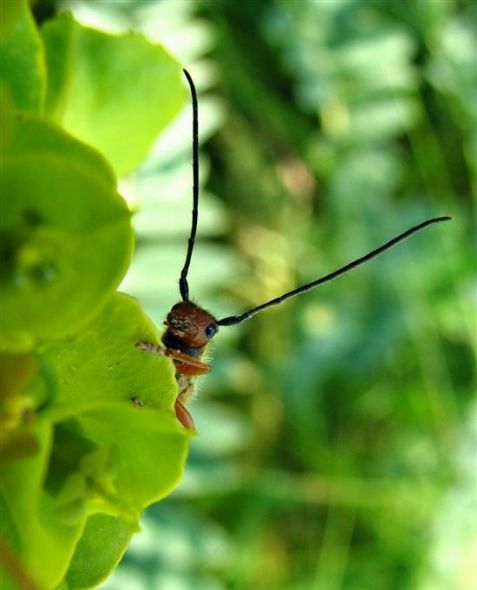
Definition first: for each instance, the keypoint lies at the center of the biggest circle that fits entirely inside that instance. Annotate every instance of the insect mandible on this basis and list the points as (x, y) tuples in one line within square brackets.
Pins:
[(190, 328)]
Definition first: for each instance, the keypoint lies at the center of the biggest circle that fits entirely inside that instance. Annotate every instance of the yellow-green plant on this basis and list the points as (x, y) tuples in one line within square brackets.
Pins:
[(88, 434)]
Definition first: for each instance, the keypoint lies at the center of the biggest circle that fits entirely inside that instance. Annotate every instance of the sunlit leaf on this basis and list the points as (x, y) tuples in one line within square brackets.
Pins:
[(115, 92), (45, 543), (22, 68), (102, 545), (118, 370), (66, 236)]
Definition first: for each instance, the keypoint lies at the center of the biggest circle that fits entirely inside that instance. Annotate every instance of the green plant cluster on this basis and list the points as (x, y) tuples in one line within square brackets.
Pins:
[(88, 432)]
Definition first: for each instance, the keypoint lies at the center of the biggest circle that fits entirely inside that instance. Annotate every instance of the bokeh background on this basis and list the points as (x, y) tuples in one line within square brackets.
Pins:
[(337, 445)]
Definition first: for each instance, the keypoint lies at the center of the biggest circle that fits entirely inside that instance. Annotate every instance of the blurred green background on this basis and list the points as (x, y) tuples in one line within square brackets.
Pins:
[(337, 445)]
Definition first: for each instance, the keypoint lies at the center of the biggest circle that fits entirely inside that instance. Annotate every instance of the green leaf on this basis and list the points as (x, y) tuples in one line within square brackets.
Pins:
[(115, 92), (145, 456), (66, 239), (17, 370), (10, 12), (102, 364), (22, 66), (10, 547), (29, 134), (26, 382), (46, 543), (102, 545), (140, 458)]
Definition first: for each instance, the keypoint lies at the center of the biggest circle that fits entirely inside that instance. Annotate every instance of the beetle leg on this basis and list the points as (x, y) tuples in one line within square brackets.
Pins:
[(194, 368), (150, 347), (183, 415), (185, 364)]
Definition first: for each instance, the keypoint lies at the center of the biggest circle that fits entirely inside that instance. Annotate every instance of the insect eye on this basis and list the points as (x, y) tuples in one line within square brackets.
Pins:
[(211, 330)]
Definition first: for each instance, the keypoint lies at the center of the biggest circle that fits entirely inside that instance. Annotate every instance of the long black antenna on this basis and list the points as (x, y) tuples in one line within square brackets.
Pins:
[(183, 284), (237, 319)]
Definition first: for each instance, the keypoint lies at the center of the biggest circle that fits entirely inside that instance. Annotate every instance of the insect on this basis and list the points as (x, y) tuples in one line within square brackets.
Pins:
[(190, 328)]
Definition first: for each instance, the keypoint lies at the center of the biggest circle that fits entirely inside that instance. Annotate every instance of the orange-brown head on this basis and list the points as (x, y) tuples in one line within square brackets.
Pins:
[(189, 328)]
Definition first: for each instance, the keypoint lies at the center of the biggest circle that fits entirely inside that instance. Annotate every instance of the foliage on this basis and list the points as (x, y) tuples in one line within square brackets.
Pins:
[(88, 433)]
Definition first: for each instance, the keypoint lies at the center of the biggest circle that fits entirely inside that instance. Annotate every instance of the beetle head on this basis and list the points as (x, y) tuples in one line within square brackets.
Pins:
[(191, 324)]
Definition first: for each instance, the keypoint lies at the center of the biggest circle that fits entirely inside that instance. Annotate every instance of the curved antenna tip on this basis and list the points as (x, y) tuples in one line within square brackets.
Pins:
[(237, 319)]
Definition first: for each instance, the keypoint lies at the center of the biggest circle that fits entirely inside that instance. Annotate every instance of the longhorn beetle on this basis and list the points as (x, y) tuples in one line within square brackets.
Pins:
[(190, 328)]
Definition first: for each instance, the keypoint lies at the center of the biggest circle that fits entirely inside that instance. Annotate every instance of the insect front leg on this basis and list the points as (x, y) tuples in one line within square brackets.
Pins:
[(185, 364), (150, 347)]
